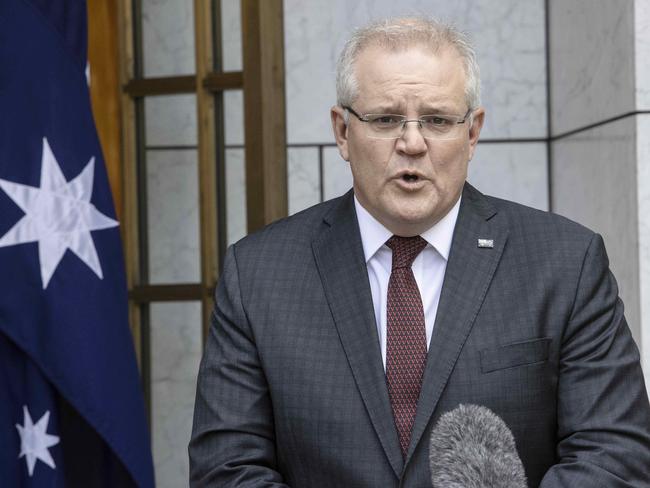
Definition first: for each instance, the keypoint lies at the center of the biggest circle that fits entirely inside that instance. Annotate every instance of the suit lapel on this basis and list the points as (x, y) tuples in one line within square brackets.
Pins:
[(469, 272), (339, 257)]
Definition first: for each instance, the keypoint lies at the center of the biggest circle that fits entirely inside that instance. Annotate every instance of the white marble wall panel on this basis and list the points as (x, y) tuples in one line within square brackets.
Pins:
[(337, 177), (173, 216), (642, 53), (643, 196), (235, 195), (168, 37), (233, 114), (175, 357), (595, 183), (170, 120), (231, 35), (304, 178), (509, 37), (514, 171), (592, 61)]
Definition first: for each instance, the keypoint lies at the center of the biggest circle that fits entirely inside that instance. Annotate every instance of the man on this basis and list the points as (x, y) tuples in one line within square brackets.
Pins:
[(341, 334)]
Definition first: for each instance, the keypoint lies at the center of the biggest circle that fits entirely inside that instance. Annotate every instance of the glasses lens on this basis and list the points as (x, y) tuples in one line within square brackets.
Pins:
[(384, 126), (437, 127)]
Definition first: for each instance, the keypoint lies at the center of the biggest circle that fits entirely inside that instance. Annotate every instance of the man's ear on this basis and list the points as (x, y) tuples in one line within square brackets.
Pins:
[(475, 129), (340, 129)]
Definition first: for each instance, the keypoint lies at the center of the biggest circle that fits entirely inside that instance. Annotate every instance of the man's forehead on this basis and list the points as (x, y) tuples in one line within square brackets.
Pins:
[(429, 78), (378, 49), (375, 61)]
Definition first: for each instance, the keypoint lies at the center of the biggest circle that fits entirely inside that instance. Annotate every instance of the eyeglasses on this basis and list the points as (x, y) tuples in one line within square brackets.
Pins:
[(439, 127)]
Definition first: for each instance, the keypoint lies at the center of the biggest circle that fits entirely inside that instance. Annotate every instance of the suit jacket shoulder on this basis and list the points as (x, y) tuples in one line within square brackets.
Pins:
[(522, 218), (287, 235), (538, 234)]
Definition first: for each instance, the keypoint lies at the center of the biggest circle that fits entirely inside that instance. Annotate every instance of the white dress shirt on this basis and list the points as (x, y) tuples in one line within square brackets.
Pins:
[(428, 268)]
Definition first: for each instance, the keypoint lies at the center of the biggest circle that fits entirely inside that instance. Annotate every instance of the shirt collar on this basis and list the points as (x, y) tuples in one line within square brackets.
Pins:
[(374, 234), (441, 234)]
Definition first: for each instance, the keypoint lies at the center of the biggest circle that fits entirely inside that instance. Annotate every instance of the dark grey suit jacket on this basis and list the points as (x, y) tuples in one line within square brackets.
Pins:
[(292, 391)]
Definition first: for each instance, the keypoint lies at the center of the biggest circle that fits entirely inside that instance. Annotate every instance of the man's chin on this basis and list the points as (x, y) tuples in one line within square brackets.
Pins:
[(413, 222)]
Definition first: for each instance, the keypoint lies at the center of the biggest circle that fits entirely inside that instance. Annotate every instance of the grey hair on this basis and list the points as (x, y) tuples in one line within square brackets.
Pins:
[(399, 33)]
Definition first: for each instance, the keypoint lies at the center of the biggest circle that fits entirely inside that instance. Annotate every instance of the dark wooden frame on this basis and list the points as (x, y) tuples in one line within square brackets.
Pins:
[(262, 81)]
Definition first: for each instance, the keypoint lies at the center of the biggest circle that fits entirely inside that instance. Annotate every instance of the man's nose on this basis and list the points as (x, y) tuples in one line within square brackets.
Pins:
[(411, 141)]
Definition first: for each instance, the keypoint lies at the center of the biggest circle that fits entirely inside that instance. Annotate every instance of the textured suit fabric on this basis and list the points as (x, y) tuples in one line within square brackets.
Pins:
[(292, 391)]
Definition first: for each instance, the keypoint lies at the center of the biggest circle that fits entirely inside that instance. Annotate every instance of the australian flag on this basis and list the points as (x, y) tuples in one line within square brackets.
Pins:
[(71, 407)]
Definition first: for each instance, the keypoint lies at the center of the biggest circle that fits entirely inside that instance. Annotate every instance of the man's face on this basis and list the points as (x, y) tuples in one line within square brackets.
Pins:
[(408, 184)]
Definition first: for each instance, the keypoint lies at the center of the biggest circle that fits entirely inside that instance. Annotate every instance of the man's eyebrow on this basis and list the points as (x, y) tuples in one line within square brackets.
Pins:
[(428, 109), (385, 109), (439, 109)]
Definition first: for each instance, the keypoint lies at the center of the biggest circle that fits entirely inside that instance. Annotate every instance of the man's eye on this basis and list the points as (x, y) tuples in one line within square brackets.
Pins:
[(436, 120), (387, 120)]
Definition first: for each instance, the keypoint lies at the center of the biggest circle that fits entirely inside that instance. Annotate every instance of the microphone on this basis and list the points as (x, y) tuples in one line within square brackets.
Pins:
[(471, 447)]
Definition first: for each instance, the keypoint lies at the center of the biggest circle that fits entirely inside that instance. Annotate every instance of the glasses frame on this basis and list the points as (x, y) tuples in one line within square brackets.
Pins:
[(364, 118)]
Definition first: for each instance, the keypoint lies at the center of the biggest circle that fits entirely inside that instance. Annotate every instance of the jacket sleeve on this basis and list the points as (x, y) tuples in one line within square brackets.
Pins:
[(603, 414), (233, 442)]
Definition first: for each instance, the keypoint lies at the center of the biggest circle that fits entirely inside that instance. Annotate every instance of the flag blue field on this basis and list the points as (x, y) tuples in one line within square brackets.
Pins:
[(71, 406)]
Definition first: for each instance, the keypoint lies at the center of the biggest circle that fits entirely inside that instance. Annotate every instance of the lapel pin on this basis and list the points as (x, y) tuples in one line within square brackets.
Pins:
[(486, 243)]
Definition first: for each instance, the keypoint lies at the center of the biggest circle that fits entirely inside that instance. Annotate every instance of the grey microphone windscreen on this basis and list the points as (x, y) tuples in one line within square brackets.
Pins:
[(471, 447)]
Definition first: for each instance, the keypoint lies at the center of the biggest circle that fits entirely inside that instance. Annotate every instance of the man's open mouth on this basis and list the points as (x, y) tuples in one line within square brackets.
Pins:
[(410, 177)]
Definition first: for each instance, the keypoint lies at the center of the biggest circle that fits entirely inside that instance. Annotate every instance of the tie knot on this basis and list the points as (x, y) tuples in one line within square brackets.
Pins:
[(405, 250)]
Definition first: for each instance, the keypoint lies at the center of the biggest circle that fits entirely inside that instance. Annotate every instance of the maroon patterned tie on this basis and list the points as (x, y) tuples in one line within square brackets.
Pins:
[(406, 348)]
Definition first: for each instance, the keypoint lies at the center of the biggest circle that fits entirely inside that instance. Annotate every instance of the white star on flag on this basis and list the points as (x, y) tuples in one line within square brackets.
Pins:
[(58, 216), (35, 441)]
